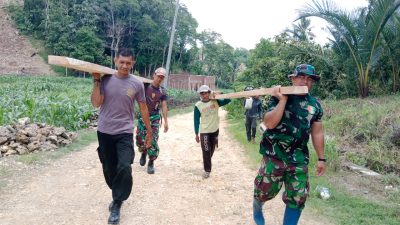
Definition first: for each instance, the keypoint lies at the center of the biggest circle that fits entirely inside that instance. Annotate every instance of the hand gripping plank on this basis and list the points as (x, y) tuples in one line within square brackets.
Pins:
[(290, 90), (85, 66)]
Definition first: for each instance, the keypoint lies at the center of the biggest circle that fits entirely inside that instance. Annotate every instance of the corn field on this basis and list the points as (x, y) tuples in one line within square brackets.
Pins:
[(59, 101)]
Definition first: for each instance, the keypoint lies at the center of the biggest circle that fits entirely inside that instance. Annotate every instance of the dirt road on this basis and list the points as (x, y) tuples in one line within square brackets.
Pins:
[(72, 189)]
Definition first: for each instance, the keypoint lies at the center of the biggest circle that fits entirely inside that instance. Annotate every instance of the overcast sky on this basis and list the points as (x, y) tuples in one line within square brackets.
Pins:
[(242, 23)]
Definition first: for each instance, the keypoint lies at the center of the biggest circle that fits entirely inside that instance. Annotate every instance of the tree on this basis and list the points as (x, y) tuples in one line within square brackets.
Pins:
[(87, 46), (302, 30), (359, 31), (391, 41)]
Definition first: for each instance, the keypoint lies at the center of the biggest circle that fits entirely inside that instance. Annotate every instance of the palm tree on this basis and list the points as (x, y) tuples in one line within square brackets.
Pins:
[(391, 41), (359, 31), (302, 30)]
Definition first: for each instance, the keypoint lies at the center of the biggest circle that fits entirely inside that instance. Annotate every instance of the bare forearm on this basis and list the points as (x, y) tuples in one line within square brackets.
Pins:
[(272, 118), (318, 143), (96, 97), (318, 139), (145, 115), (165, 111)]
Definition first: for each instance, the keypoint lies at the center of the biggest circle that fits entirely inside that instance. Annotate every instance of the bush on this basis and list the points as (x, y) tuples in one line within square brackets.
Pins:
[(181, 98)]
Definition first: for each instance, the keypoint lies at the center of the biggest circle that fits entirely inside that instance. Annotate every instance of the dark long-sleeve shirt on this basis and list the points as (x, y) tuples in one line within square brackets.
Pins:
[(256, 109)]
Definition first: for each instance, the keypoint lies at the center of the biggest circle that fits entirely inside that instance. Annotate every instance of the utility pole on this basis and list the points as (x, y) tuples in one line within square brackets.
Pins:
[(171, 42)]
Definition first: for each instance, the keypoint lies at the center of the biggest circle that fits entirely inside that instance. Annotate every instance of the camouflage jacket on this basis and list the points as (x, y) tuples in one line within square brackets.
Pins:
[(288, 140)]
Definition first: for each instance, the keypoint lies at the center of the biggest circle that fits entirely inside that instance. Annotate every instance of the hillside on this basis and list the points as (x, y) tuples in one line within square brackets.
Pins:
[(17, 56)]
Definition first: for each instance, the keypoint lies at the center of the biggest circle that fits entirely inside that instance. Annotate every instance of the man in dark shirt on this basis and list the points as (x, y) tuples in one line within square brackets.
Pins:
[(156, 98), (252, 114), (116, 94)]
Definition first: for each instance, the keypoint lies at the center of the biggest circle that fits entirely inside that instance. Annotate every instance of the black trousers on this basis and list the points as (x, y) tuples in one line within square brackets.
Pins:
[(116, 155), (251, 127), (208, 142)]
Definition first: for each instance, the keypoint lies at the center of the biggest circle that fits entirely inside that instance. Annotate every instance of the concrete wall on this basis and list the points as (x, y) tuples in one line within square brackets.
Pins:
[(190, 82), (178, 81)]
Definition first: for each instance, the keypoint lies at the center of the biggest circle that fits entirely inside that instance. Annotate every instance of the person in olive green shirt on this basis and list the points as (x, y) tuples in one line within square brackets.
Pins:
[(206, 122)]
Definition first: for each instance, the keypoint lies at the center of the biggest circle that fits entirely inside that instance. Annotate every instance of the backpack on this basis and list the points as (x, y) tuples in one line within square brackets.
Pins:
[(249, 103)]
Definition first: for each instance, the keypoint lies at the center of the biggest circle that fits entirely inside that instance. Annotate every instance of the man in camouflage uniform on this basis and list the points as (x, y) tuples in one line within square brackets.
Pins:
[(290, 120), (156, 101)]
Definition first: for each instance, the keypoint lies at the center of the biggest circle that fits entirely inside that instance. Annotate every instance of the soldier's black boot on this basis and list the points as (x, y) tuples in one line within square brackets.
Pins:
[(143, 159), (150, 167), (115, 212), (111, 205)]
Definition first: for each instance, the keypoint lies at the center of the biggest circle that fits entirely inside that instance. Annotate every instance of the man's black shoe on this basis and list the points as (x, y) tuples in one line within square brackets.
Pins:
[(142, 161), (115, 212), (111, 205), (150, 167)]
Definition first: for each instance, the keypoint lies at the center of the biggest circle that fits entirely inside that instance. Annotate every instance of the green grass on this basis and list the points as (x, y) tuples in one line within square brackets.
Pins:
[(368, 124), (30, 159), (181, 98), (4, 172), (180, 110), (345, 208), (237, 129)]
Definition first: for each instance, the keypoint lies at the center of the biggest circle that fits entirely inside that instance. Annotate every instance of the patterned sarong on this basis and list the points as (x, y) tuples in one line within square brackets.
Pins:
[(141, 136)]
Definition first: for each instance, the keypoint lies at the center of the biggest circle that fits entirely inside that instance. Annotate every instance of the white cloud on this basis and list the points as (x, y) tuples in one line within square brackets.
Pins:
[(242, 23)]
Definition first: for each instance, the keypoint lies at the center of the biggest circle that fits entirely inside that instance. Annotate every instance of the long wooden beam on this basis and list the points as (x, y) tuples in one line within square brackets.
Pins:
[(85, 66), (290, 90)]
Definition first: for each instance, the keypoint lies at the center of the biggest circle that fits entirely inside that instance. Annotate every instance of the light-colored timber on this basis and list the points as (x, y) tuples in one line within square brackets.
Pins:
[(85, 66), (290, 90)]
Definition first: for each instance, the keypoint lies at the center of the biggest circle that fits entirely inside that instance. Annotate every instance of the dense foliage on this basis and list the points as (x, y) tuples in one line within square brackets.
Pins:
[(359, 60), (93, 30)]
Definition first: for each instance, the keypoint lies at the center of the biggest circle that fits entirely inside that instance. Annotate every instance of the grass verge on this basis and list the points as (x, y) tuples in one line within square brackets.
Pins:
[(180, 110), (347, 208)]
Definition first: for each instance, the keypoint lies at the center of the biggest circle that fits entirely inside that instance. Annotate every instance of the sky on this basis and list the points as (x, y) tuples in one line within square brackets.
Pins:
[(242, 23)]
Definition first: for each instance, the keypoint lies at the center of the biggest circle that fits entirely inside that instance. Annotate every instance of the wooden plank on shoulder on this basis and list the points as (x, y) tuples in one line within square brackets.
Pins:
[(290, 90), (85, 66)]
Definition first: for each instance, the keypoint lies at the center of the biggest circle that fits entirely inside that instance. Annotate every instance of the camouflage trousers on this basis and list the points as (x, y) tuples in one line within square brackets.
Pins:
[(273, 173), (141, 136)]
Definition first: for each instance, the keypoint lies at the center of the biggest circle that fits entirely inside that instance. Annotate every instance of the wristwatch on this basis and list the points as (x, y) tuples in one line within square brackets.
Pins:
[(321, 160)]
